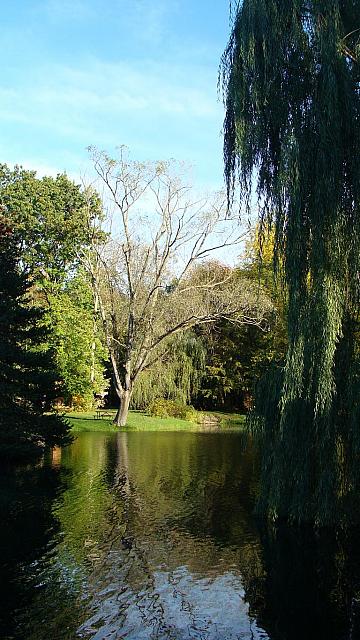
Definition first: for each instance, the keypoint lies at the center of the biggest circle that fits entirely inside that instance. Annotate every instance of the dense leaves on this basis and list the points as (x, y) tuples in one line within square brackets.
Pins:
[(176, 376), (291, 77), (27, 375), (53, 218), (238, 355), (55, 221), (76, 340)]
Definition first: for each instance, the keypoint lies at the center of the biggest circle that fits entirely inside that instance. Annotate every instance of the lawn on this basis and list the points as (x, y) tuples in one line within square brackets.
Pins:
[(139, 421), (229, 419)]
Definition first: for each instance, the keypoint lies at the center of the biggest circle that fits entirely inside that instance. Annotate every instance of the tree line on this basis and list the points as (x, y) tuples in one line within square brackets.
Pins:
[(126, 296), (135, 287)]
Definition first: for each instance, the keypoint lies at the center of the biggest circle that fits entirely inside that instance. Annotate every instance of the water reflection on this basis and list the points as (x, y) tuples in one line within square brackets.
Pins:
[(164, 564), (28, 536), (312, 587), (150, 535)]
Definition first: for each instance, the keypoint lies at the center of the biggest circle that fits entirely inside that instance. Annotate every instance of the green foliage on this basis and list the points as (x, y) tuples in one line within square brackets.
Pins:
[(261, 349), (54, 221), (52, 217), (291, 78), (238, 355), (176, 376), (27, 372), (76, 341), (163, 408), (223, 382)]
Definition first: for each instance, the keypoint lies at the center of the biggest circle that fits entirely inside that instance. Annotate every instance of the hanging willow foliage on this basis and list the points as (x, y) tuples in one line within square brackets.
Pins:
[(177, 376), (291, 80)]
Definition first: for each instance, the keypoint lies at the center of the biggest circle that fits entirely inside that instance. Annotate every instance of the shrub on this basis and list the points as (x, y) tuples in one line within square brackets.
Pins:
[(163, 408)]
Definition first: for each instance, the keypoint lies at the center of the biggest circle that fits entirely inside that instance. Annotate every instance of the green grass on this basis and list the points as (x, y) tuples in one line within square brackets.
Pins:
[(229, 419), (139, 421)]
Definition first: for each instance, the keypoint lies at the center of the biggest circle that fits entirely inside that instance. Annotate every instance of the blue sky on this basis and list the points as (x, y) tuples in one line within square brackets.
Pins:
[(93, 72)]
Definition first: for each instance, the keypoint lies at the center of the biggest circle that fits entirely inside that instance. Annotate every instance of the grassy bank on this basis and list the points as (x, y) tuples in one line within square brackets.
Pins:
[(229, 419), (139, 421)]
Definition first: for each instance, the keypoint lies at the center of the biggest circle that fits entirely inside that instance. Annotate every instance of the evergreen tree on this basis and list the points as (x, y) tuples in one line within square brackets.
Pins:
[(27, 378), (291, 75)]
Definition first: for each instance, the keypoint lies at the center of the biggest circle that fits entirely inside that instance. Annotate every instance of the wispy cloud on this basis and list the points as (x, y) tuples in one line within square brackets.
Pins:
[(67, 97), (90, 72)]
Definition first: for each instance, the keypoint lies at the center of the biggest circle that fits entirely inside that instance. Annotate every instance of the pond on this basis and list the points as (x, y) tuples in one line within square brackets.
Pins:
[(151, 535)]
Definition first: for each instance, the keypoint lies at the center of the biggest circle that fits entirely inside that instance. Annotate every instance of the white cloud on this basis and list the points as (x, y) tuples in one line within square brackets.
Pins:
[(71, 101)]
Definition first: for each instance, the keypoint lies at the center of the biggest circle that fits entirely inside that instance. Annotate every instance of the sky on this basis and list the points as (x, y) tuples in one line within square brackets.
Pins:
[(94, 72)]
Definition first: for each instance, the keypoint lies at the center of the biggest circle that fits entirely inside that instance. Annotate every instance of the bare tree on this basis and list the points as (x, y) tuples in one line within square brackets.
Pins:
[(152, 279)]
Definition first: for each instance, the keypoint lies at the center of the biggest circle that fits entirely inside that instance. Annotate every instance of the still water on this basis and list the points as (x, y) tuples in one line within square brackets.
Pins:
[(151, 536)]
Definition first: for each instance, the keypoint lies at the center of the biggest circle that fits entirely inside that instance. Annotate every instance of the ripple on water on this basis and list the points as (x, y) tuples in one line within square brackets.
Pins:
[(175, 605), (150, 536)]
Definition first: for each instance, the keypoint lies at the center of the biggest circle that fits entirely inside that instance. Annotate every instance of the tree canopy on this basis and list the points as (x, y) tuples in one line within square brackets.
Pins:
[(291, 77), (54, 221), (27, 369), (154, 279), (51, 216), (238, 355)]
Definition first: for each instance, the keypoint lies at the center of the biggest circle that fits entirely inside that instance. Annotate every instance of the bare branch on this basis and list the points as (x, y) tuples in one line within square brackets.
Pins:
[(154, 278)]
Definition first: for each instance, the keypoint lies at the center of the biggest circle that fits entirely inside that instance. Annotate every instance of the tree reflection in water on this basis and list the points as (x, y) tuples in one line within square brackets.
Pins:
[(150, 535)]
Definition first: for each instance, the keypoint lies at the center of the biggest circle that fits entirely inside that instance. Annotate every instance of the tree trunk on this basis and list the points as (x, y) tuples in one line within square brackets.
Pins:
[(122, 413), (93, 344)]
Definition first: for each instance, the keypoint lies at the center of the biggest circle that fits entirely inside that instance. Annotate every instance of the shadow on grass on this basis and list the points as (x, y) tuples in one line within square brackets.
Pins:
[(81, 417)]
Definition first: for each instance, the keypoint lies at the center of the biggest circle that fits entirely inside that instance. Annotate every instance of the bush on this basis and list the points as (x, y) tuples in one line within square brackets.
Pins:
[(163, 408), (85, 402)]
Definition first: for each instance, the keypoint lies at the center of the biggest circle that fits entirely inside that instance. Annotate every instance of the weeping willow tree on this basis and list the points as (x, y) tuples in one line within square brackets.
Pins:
[(291, 80), (177, 376)]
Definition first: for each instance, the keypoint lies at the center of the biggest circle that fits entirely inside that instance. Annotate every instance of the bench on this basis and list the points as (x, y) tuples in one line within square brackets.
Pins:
[(102, 413)]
